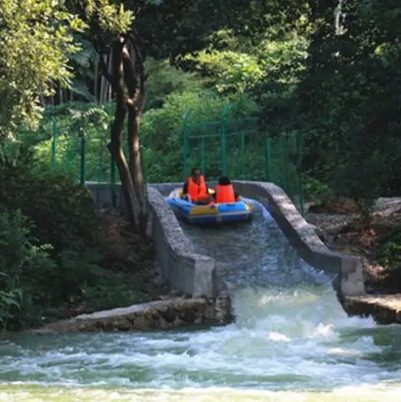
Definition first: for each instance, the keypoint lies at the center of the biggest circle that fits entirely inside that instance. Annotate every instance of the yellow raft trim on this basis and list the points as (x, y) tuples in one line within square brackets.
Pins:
[(204, 210)]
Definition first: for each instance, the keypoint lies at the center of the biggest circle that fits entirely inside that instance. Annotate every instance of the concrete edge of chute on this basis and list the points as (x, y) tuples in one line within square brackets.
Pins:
[(348, 269), (194, 274)]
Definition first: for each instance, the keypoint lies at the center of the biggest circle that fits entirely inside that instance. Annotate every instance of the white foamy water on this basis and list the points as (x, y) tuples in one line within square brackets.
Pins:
[(291, 342)]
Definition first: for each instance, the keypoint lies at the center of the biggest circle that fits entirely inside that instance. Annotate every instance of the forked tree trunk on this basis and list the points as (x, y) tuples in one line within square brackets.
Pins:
[(135, 80), (115, 145), (127, 73)]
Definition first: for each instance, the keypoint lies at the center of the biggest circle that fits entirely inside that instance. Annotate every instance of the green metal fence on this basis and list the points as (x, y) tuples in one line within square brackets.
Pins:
[(237, 147), (242, 150), (71, 151)]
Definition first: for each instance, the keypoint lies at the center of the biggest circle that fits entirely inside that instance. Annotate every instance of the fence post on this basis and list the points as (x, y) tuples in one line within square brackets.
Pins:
[(99, 173), (268, 158), (54, 142), (113, 183), (83, 157), (243, 158), (185, 143), (282, 159), (227, 107), (299, 170), (203, 155)]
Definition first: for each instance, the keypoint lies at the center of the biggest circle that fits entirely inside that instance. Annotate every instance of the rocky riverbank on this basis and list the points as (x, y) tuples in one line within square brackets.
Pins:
[(341, 228)]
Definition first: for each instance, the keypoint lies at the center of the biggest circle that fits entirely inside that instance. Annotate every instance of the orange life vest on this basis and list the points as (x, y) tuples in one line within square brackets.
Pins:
[(224, 193), (195, 190)]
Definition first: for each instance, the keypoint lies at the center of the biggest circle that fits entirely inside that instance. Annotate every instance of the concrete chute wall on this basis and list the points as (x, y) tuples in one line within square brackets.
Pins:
[(195, 275)]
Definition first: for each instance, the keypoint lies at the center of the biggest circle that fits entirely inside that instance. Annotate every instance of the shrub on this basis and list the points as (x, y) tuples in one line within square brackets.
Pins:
[(389, 253), (23, 263), (49, 237), (63, 212)]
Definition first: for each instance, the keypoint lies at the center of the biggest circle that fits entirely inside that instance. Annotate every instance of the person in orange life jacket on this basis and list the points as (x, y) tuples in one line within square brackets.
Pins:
[(195, 188), (224, 191)]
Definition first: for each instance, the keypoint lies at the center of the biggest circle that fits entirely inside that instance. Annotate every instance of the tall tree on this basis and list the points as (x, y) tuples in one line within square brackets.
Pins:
[(124, 33), (35, 38)]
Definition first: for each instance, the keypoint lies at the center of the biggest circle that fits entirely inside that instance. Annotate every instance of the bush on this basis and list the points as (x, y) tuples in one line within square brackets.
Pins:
[(315, 190), (62, 212), (389, 253), (24, 264), (49, 237), (389, 256)]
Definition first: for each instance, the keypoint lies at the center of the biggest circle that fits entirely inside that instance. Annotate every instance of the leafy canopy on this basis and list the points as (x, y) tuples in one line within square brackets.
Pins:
[(35, 39)]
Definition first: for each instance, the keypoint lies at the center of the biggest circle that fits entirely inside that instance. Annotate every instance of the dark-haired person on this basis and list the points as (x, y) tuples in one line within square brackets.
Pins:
[(224, 191), (195, 188)]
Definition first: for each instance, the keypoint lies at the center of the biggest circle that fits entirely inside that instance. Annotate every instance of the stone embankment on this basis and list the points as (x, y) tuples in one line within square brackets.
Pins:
[(157, 315), (385, 309)]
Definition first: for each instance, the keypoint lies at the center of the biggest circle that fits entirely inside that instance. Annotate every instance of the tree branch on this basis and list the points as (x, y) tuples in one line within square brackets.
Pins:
[(140, 65), (135, 76)]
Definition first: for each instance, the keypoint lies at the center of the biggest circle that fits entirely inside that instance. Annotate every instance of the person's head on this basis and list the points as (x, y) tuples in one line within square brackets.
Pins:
[(224, 181), (196, 174)]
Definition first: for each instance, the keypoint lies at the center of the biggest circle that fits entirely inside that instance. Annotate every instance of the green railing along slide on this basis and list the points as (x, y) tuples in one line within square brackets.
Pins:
[(241, 148)]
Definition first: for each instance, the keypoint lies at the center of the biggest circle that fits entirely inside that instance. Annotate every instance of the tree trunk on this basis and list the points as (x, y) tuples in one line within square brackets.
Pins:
[(117, 154), (135, 79), (135, 163), (115, 145)]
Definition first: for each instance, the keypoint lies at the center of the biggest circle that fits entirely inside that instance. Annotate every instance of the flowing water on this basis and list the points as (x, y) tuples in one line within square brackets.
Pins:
[(291, 342)]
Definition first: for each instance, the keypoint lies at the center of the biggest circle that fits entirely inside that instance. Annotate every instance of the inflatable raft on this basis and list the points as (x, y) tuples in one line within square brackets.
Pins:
[(211, 213)]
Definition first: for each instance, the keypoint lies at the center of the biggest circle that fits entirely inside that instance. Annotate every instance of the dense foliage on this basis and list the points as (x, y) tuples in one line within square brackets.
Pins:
[(326, 71), (52, 255), (35, 42)]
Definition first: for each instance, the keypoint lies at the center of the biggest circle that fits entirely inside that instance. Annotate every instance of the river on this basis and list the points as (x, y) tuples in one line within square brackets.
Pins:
[(291, 342)]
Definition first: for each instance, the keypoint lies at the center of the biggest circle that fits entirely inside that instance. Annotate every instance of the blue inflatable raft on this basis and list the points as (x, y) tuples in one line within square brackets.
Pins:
[(209, 214)]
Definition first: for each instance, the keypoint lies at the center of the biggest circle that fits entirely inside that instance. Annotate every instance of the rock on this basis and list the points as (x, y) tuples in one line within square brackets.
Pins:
[(223, 310), (210, 313), (385, 309), (123, 324), (163, 324), (169, 315), (178, 322), (142, 323), (164, 297)]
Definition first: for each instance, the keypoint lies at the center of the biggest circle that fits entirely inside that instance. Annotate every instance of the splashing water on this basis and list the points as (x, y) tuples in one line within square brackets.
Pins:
[(291, 342)]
